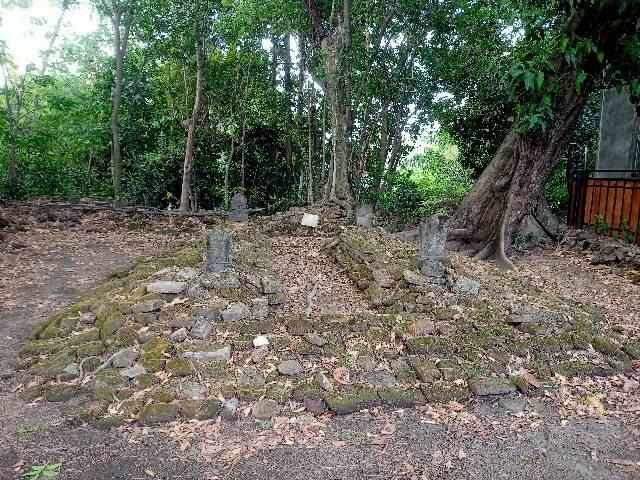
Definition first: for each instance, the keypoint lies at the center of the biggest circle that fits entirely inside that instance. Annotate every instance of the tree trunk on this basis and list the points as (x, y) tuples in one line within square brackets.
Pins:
[(185, 195), (288, 102), (339, 190), (227, 172), (120, 40), (311, 138), (274, 61), (242, 153), (510, 188), (300, 99), (332, 46)]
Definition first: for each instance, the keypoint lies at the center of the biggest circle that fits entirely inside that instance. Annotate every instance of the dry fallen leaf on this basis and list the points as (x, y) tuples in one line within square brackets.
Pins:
[(343, 376), (388, 429), (595, 402), (150, 472), (530, 379)]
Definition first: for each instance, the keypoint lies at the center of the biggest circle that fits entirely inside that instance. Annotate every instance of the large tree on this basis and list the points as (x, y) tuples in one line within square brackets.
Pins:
[(568, 49)]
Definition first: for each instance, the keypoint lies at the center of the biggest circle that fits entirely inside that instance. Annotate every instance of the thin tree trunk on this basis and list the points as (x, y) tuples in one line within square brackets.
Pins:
[(311, 136), (274, 61), (120, 40), (242, 153), (288, 101), (13, 118), (185, 196), (384, 139), (402, 117), (227, 171)]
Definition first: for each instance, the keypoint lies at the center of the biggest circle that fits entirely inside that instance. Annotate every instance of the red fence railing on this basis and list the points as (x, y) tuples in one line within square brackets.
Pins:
[(607, 201)]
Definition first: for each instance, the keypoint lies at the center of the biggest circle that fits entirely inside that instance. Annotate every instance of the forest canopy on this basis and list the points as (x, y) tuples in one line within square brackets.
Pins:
[(402, 103)]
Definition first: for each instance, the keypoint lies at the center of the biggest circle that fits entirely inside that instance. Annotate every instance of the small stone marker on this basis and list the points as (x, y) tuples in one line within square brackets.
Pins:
[(217, 256), (364, 216), (434, 264), (310, 220), (239, 212)]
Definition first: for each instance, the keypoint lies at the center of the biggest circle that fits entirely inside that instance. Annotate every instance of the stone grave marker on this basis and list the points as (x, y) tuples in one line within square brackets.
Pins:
[(217, 255), (239, 212), (433, 263), (364, 216)]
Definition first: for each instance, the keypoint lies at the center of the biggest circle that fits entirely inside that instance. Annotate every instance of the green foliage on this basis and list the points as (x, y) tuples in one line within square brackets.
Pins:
[(433, 182), (28, 429), (39, 471), (602, 227)]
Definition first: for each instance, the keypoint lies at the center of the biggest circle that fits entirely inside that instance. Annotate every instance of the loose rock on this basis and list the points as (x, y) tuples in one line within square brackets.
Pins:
[(264, 409), (324, 382), (315, 339), (133, 372), (148, 306), (146, 335), (513, 404), (167, 287), (491, 386), (221, 355), (124, 358), (236, 311), (179, 335), (201, 329), (290, 367)]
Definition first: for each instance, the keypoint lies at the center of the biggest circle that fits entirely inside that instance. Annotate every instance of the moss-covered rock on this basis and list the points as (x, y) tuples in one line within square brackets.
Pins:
[(54, 364), (401, 398), (451, 370), (163, 395), (61, 392), (90, 349), (444, 392), (250, 385), (43, 347), (279, 393), (126, 336), (429, 345), (426, 369), (307, 390), (79, 414), (153, 413), (109, 378), (152, 361), (29, 394), (632, 348), (581, 369), (157, 344), (605, 344), (342, 403), (112, 324), (109, 422), (145, 381), (179, 367), (491, 386), (581, 339), (299, 325), (85, 336)]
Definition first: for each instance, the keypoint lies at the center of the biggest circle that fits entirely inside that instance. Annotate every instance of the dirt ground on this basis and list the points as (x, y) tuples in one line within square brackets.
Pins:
[(50, 263)]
